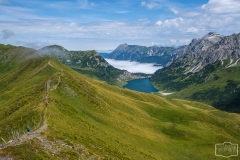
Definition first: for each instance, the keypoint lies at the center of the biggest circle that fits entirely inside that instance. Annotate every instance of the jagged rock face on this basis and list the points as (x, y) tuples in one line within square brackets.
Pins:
[(209, 49), (229, 46), (201, 52), (197, 46), (213, 37), (153, 54)]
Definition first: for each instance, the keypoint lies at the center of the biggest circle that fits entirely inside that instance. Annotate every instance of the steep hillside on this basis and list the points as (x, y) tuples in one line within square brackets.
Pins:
[(89, 119), (154, 54), (208, 71), (89, 63)]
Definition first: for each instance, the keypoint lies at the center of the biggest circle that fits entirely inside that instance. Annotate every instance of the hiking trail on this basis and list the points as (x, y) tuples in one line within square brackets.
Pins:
[(53, 147)]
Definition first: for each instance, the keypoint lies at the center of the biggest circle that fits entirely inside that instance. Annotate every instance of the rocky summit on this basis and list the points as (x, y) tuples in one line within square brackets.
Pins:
[(209, 49)]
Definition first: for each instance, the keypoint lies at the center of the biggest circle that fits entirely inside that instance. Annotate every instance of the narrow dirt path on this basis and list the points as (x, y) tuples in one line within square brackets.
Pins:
[(36, 133), (55, 147), (26, 137)]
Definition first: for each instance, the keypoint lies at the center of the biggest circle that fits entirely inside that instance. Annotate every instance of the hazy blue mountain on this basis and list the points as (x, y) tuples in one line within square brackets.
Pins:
[(104, 55), (143, 54)]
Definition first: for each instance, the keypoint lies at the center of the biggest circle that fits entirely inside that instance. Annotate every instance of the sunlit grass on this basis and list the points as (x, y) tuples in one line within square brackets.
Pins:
[(109, 121)]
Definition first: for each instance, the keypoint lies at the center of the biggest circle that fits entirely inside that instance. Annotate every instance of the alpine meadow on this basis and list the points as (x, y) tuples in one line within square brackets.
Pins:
[(87, 118), (119, 80)]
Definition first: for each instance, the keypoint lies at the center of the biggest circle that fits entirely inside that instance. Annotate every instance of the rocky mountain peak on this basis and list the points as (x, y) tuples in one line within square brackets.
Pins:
[(213, 37), (211, 34), (209, 49), (122, 46)]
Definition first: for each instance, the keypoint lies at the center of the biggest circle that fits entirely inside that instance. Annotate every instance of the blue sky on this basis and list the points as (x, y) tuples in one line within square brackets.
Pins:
[(103, 25)]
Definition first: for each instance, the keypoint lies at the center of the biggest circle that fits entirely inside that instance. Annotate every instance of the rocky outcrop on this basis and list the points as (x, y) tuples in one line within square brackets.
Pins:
[(209, 49), (203, 51)]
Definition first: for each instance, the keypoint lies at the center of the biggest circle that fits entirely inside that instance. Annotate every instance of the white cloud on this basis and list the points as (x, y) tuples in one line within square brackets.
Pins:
[(72, 24), (171, 22), (150, 5), (178, 42), (222, 6), (175, 11), (191, 14), (159, 23), (134, 67), (222, 16)]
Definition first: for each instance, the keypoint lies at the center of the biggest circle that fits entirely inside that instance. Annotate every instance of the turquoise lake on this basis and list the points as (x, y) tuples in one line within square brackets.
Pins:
[(141, 85)]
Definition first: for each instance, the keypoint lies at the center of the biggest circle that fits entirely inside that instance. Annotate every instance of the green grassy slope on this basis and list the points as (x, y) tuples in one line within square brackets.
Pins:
[(22, 82), (216, 84), (110, 122)]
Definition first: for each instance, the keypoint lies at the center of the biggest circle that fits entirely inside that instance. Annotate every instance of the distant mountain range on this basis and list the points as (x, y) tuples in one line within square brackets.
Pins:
[(103, 54), (198, 50), (154, 54), (207, 70)]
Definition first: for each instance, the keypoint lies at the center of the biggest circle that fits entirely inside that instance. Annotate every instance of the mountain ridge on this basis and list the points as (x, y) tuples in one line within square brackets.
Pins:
[(143, 54), (204, 51), (209, 65), (89, 62)]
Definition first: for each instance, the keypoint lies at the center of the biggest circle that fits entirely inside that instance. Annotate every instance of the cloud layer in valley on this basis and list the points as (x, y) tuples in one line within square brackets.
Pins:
[(134, 67)]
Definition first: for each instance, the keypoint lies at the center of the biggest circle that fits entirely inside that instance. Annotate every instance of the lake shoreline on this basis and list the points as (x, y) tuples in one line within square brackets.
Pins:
[(141, 85)]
